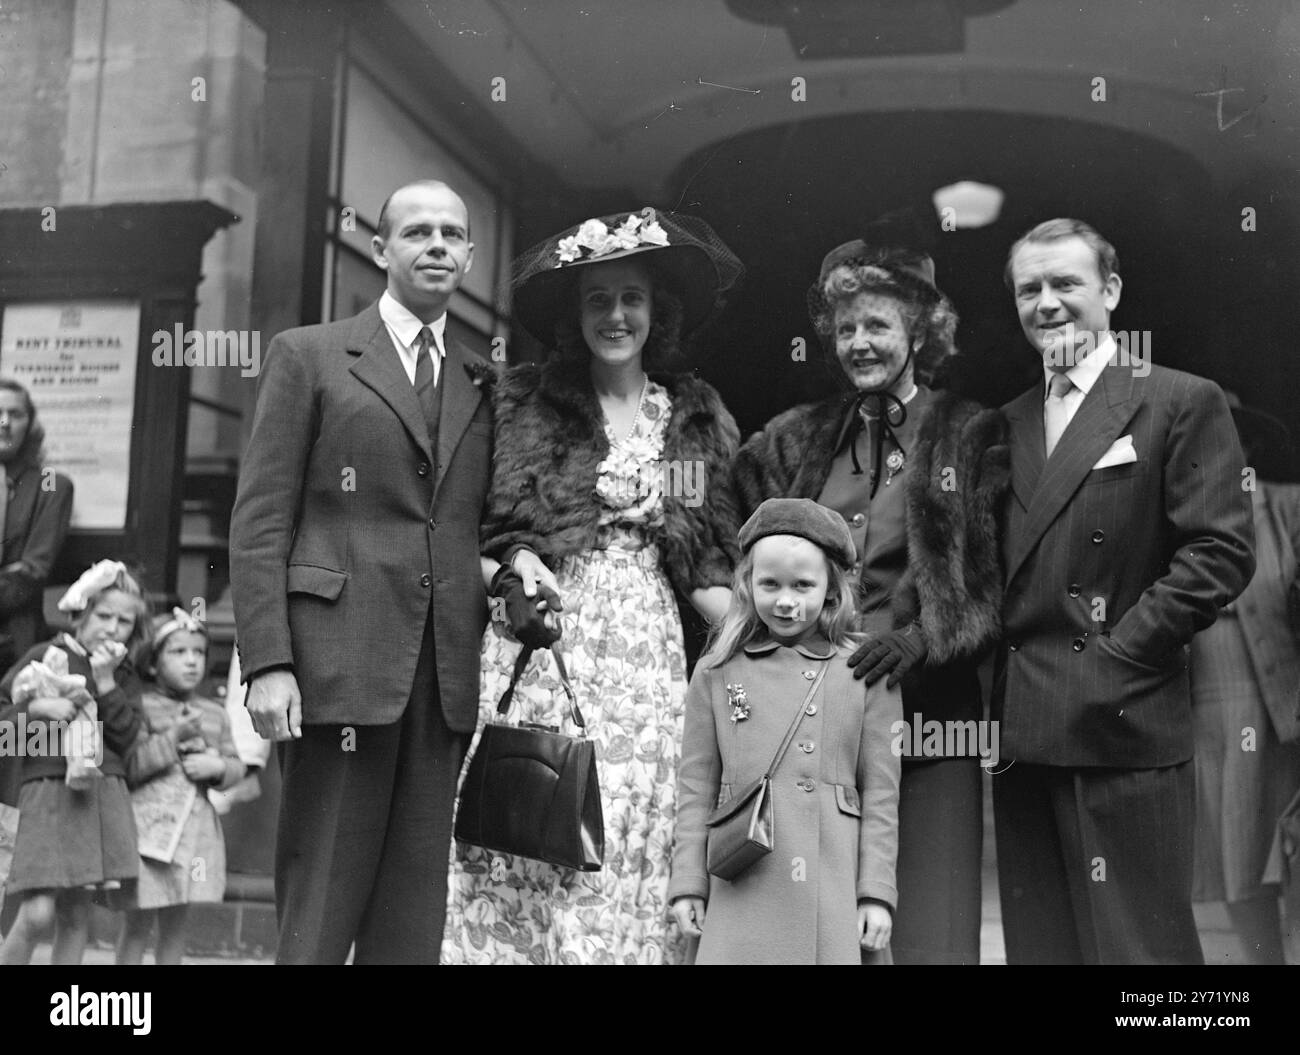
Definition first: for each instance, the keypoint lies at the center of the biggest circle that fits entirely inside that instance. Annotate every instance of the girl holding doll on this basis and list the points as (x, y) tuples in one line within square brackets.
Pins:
[(76, 838), (171, 758), (826, 892)]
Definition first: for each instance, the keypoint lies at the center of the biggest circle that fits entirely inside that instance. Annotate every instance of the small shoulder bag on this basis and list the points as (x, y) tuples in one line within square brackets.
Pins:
[(742, 829)]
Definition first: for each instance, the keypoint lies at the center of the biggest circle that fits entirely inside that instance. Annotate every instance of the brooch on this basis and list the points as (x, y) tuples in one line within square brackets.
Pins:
[(739, 701), (894, 463)]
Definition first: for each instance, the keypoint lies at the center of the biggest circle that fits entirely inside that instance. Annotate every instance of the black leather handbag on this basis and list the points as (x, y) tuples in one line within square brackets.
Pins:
[(533, 791)]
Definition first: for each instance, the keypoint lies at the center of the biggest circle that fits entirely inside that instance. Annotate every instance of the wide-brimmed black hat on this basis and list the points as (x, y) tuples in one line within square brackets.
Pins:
[(685, 251)]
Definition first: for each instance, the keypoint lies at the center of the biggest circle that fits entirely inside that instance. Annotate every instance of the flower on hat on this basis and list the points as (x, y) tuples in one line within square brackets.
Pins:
[(597, 240)]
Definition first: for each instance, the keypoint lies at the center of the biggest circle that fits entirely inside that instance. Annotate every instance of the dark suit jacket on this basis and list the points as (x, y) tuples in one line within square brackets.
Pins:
[(1153, 548), (347, 524)]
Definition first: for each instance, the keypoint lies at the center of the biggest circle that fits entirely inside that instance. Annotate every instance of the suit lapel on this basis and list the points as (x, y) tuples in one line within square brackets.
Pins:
[(460, 398), (380, 369), (1099, 421), (1025, 416)]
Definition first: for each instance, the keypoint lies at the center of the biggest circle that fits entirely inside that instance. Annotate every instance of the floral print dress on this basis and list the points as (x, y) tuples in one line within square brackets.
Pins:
[(623, 646)]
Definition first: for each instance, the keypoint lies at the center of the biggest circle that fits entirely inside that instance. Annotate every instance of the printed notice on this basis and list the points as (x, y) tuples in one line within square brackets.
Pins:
[(77, 358)]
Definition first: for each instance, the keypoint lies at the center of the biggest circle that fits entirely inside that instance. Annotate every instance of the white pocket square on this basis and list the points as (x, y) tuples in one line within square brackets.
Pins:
[(1121, 452)]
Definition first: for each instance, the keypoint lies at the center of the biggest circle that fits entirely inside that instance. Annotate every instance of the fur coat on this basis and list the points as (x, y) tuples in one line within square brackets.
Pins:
[(953, 581), (550, 439)]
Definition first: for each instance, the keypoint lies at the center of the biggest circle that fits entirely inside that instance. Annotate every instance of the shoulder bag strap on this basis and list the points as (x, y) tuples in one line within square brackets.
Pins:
[(798, 717)]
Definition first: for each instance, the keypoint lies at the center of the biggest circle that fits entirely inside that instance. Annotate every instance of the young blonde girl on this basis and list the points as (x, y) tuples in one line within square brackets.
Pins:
[(75, 842), (175, 658), (826, 892)]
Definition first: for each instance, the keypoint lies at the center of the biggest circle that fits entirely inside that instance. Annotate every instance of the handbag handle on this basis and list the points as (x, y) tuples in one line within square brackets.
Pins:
[(521, 664), (794, 726)]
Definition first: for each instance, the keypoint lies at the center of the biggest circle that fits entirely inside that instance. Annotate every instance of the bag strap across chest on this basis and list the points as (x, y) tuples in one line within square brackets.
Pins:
[(794, 725)]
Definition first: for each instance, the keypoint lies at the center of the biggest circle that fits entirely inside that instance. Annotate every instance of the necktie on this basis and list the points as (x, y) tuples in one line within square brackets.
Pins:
[(425, 389), (1056, 415)]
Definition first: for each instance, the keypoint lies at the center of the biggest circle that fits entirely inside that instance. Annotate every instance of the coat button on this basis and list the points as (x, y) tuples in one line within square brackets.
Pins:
[(1077, 644), (1075, 589), (807, 747), (810, 710), (426, 580), (423, 469), (805, 785), (433, 524), (1014, 646), (1098, 536), (810, 674), (859, 519)]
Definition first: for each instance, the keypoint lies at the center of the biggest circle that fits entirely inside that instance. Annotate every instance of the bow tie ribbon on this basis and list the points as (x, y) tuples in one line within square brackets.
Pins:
[(889, 412)]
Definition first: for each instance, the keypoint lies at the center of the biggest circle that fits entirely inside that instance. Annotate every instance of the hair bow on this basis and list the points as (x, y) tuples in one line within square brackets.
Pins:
[(178, 620), (99, 576)]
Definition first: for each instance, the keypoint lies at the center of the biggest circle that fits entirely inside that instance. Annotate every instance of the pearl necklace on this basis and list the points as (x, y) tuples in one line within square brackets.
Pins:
[(645, 387)]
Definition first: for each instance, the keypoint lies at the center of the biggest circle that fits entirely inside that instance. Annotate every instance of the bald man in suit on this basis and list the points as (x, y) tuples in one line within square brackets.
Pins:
[(1126, 530), (359, 593)]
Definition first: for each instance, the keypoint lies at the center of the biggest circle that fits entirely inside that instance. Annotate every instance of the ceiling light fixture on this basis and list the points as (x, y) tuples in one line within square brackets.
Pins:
[(972, 204)]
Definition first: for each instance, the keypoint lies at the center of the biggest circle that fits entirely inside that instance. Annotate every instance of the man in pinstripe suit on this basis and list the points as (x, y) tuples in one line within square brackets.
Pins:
[(1127, 527)]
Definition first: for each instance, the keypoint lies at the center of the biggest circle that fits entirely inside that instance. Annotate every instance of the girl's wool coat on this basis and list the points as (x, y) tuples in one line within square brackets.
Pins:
[(550, 440), (834, 794)]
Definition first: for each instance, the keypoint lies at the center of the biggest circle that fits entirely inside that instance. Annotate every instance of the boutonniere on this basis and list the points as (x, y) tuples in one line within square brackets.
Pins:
[(480, 374), (739, 701)]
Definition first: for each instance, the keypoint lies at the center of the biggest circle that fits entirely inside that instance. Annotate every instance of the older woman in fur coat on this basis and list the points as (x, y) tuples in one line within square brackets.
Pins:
[(918, 476), (615, 476)]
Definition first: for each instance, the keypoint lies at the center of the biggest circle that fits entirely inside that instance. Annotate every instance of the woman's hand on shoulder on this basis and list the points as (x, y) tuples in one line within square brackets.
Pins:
[(689, 914), (711, 602)]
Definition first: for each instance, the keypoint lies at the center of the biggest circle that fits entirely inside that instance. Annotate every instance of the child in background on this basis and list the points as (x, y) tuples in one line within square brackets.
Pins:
[(173, 750), (826, 891), (75, 842)]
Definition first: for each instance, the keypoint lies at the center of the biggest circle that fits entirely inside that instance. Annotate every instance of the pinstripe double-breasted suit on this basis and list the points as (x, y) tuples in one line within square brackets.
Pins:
[(1109, 573)]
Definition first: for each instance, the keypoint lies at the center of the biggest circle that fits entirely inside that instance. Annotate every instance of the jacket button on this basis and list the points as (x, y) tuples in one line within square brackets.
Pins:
[(805, 785), (1077, 644), (807, 747), (1098, 536), (423, 469), (426, 580), (433, 524), (859, 519), (1015, 646), (1075, 589), (810, 674), (810, 710)]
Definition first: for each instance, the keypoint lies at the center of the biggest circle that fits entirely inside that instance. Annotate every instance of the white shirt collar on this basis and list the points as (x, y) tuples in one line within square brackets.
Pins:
[(406, 326), (1084, 373)]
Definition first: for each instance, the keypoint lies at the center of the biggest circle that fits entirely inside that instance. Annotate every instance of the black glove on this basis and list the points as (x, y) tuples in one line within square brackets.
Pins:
[(527, 623), (898, 651)]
